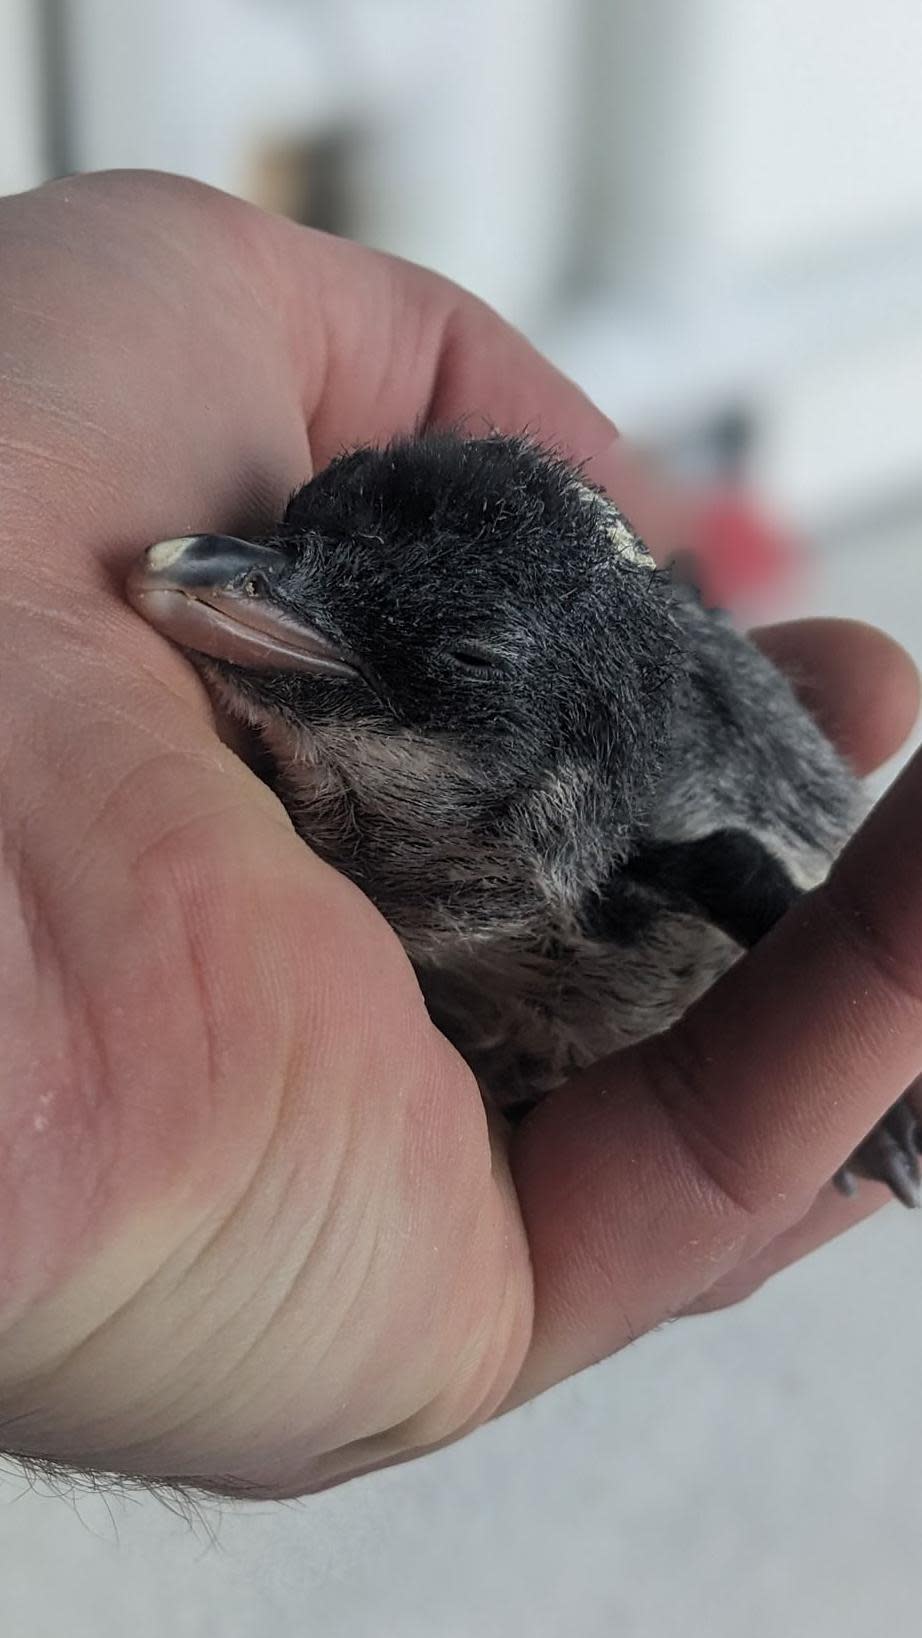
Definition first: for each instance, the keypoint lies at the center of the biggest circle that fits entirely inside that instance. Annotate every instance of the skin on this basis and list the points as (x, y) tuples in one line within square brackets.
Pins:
[(256, 1233)]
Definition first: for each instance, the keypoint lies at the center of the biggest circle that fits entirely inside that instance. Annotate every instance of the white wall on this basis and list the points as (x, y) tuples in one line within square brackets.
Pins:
[(747, 135), (474, 172)]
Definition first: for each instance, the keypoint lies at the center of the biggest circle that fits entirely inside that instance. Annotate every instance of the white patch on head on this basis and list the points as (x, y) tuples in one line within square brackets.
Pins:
[(166, 552), (626, 544)]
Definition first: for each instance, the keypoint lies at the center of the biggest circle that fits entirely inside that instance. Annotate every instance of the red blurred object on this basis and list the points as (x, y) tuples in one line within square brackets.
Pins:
[(737, 554)]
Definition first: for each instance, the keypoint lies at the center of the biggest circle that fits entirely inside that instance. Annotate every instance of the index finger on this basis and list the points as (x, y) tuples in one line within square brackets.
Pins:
[(383, 346), (858, 683)]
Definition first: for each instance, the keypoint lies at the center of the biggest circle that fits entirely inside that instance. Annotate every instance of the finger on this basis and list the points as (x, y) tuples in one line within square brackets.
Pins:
[(859, 684), (830, 1215), (401, 346), (658, 1173)]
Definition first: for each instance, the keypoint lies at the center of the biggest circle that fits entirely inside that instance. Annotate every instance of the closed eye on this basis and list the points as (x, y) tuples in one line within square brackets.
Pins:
[(479, 659)]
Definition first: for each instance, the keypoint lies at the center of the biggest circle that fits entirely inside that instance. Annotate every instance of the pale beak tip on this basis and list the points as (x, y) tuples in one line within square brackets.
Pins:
[(164, 553)]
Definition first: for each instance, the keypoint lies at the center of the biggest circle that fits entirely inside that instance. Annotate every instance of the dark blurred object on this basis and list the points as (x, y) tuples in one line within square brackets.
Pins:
[(312, 181)]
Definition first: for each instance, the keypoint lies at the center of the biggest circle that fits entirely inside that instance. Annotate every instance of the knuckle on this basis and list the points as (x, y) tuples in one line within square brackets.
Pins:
[(680, 1073), (853, 924)]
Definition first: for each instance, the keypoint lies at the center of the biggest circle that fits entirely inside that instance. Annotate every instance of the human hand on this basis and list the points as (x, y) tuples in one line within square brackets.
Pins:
[(257, 1233)]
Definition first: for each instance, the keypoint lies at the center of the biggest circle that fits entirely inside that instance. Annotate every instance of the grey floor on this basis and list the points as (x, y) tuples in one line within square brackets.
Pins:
[(754, 1473)]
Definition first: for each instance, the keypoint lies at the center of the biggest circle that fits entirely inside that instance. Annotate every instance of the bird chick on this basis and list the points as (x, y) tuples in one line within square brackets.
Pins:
[(574, 792)]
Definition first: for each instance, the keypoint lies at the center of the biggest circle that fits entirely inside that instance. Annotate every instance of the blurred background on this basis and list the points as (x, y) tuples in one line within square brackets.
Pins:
[(710, 214)]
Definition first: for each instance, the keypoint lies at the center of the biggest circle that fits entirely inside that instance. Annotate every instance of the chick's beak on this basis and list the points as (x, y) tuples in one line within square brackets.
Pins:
[(214, 594)]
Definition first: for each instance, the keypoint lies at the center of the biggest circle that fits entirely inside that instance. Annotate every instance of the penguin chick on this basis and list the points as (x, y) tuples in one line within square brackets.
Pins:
[(575, 793)]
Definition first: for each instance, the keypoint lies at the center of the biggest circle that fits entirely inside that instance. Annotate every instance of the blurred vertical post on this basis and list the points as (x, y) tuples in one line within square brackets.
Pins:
[(639, 130), (22, 130)]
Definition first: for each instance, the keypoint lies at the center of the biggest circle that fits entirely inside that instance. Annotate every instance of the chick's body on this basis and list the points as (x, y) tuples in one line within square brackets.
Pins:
[(574, 792), (581, 947)]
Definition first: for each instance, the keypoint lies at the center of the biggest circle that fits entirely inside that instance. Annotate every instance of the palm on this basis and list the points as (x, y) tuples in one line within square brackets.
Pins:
[(258, 1232)]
